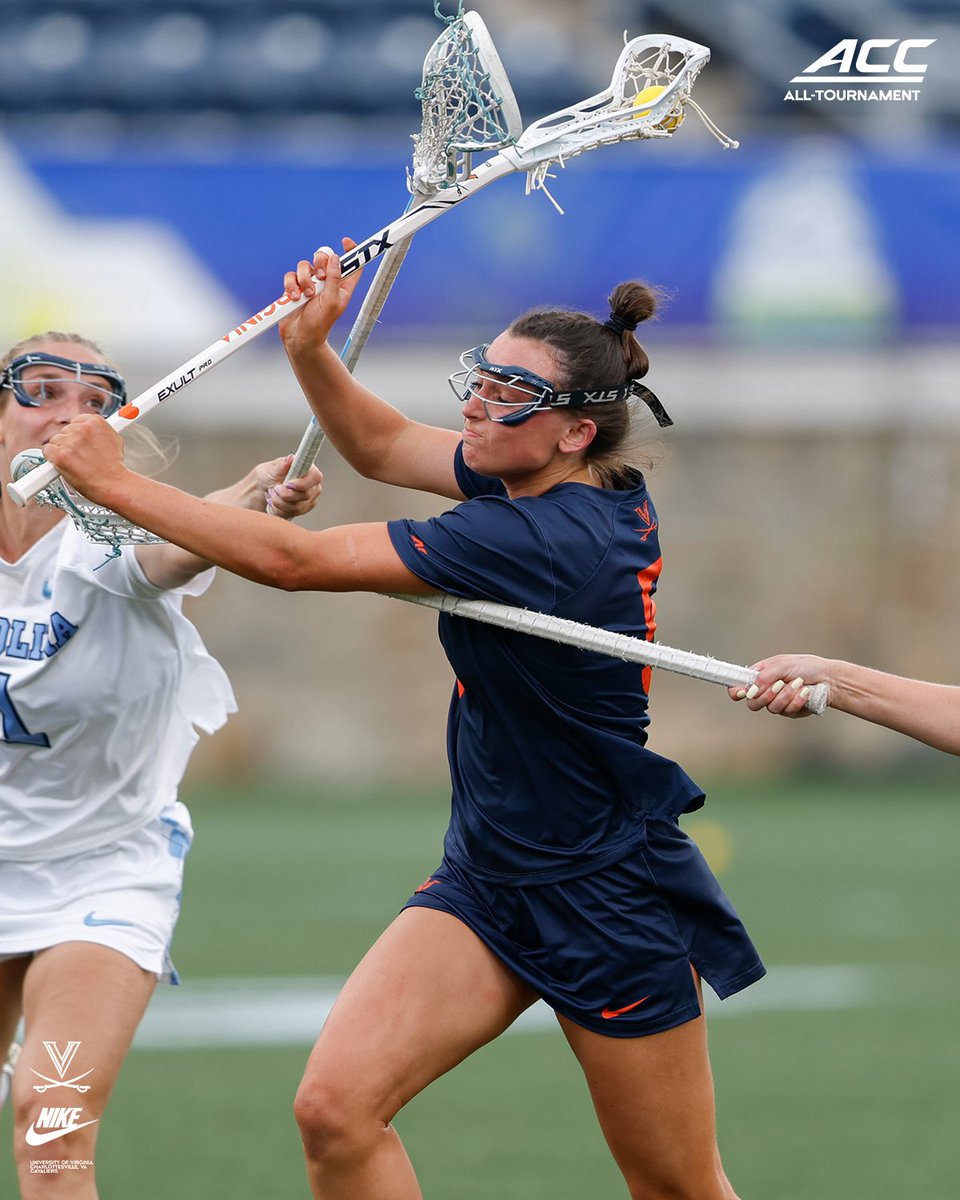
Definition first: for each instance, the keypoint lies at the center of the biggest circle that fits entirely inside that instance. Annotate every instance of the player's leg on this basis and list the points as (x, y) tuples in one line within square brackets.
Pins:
[(654, 1098), (425, 996), (12, 971), (77, 992)]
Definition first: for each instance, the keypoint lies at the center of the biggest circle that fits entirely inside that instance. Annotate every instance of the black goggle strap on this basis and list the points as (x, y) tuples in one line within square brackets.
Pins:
[(11, 375), (652, 401), (476, 359)]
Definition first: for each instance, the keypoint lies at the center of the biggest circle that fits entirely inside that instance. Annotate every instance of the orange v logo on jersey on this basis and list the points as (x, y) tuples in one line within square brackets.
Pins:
[(650, 522), (418, 543)]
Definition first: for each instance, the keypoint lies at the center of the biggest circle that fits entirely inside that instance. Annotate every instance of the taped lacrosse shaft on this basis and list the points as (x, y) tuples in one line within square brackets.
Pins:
[(603, 641), (605, 119), (7, 1071)]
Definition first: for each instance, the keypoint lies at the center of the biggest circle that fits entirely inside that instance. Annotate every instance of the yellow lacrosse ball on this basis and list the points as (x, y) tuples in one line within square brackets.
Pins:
[(715, 842), (645, 100)]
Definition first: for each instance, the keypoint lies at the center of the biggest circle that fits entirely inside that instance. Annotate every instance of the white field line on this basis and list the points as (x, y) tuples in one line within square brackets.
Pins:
[(290, 1011)]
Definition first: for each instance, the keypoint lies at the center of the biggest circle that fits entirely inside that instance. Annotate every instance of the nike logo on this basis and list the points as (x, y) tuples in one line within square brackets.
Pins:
[(93, 921), (428, 883), (46, 591), (609, 1013), (33, 1138)]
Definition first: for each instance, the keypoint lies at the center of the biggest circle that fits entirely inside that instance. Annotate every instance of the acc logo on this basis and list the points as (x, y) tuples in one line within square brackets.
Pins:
[(874, 69), (868, 62)]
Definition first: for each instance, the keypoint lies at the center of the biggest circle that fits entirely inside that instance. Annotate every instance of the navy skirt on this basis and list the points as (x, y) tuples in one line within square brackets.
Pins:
[(611, 950)]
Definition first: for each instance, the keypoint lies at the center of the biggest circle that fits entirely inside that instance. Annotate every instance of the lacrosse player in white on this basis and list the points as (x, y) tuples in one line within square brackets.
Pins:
[(103, 686)]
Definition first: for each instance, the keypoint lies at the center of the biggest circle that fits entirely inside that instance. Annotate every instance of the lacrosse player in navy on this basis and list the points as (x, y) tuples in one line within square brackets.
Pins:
[(564, 875)]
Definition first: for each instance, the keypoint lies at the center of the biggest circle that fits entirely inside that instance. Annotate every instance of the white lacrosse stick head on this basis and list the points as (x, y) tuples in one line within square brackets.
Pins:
[(468, 105), (647, 97), (97, 524)]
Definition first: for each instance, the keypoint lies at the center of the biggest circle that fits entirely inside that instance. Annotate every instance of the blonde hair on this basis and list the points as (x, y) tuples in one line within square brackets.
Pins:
[(145, 452)]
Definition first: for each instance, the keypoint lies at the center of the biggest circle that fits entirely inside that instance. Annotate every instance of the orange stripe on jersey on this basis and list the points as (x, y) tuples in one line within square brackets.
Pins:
[(460, 688), (647, 578)]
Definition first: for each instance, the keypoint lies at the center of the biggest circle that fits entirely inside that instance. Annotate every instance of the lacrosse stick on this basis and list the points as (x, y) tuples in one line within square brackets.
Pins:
[(468, 106), (7, 1071), (647, 98), (537, 624), (99, 525), (603, 641)]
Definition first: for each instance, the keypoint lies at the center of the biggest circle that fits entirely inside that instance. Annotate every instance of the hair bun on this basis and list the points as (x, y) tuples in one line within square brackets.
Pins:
[(630, 303)]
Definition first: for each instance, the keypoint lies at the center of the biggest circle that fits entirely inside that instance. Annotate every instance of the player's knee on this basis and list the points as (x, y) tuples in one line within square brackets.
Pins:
[(332, 1126), (34, 1165), (44, 1131), (25, 1110)]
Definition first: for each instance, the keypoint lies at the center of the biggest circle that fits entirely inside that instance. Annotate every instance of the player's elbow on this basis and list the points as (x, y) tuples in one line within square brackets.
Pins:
[(295, 575), (301, 560), (286, 568)]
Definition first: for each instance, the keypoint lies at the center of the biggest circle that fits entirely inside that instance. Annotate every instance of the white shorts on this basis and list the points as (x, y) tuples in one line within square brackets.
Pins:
[(125, 895)]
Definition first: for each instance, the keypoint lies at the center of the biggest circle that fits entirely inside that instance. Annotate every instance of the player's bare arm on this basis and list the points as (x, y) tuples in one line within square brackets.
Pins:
[(88, 453), (378, 440), (262, 489), (929, 712)]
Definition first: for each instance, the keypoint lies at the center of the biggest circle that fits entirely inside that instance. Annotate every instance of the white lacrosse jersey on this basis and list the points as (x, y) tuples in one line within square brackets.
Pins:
[(103, 686)]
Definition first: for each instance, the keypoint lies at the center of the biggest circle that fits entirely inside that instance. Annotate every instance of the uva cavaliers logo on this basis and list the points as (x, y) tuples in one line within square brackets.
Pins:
[(61, 1060), (648, 521)]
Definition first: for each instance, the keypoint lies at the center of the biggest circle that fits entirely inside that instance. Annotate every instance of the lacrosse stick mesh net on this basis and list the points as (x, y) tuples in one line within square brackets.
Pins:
[(467, 104), (647, 98), (97, 524), (659, 66)]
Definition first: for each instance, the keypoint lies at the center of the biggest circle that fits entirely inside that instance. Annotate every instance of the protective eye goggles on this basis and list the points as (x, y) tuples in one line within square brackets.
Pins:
[(511, 395), (40, 390)]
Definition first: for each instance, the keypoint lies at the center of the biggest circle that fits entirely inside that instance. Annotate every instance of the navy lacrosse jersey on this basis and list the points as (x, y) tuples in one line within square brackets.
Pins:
[(547, 743)]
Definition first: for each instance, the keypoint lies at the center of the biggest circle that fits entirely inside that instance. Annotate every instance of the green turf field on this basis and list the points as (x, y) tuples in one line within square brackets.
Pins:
[(856, 1099)]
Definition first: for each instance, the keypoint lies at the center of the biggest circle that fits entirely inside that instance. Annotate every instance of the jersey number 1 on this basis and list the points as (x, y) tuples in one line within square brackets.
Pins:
[(14, 730)]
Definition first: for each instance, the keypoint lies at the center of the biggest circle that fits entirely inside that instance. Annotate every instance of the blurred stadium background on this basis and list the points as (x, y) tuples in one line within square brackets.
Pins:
[(161, 164)]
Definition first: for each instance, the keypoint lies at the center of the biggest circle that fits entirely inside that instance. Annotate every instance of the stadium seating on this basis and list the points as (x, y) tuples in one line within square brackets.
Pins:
[(132, 57), (140, 60)]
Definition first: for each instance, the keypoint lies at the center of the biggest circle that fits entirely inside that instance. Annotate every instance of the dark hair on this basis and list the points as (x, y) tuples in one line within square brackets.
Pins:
[(591, 354)]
